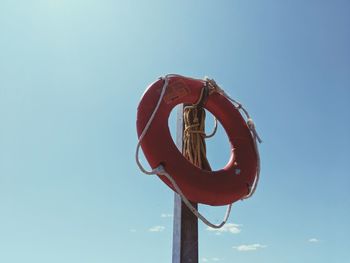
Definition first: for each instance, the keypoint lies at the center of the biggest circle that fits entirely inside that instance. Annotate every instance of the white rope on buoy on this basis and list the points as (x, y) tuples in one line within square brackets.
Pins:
[(160, 169)]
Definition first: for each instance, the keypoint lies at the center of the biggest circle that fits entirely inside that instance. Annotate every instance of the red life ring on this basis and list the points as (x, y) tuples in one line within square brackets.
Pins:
[(222, 187)]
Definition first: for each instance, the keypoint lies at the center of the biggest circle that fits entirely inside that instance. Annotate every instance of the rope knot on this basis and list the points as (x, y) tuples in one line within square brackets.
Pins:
[(160, 170), (213, 86), (251, 126)]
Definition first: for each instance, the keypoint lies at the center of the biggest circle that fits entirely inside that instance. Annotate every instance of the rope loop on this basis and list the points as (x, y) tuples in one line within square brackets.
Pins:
[(210, 86)]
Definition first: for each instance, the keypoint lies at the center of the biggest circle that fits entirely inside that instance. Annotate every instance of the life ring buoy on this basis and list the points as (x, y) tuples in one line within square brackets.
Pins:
[(225, 186)]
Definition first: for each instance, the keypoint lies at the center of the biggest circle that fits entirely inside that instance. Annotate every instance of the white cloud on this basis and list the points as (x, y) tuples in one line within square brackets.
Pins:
[(156, 229), (314, 240), (164, 215), (214, 259), (228, 227), (252, 247)]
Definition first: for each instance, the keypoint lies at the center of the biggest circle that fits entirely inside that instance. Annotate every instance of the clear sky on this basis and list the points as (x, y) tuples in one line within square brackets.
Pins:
[(71, 76)]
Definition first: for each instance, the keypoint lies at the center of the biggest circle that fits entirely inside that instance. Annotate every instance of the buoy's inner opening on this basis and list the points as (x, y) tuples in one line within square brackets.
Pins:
[(217, 146)]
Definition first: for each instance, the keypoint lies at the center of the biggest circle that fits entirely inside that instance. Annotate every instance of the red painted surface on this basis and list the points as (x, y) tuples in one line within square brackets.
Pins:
[(200, 186)]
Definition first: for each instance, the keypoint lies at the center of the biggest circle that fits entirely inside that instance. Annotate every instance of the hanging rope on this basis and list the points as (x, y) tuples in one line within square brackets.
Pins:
[(194, 148)]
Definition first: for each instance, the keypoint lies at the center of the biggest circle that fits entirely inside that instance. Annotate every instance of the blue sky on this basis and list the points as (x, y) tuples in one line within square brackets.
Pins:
[(71, 76)]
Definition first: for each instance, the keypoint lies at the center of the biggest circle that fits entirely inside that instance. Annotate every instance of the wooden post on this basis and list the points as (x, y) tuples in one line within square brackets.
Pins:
[(185, 231)]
